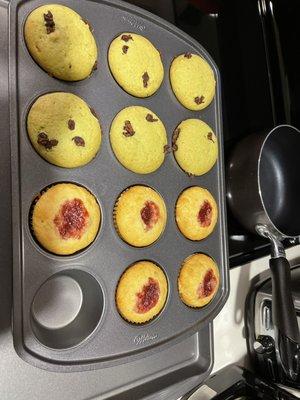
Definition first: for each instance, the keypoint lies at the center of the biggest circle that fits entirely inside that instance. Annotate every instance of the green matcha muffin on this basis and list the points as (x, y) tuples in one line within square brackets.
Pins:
[(61, 42), (192, 81), (195, 146), (63, 129), (138, 139), (135, 64)]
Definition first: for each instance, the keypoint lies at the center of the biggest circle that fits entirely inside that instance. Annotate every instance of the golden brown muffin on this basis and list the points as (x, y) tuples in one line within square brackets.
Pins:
[(196, 213), (198, 280), (140, 216), (65, 218), (61, 42), (141, 292)]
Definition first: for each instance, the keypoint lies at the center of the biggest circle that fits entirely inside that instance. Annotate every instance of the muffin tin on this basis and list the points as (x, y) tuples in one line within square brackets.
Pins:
[(87, 330)]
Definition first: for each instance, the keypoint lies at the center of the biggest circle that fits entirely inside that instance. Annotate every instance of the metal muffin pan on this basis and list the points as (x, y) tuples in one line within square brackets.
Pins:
[(66, 309), (110, 339)]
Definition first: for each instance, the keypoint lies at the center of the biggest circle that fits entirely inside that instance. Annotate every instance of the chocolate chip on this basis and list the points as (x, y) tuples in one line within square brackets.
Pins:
[(167, 149), (71, 124), (199, 100), (42, 135), (70, 66), (126, 38), (79, 141), (87, 23), (149, 118), (50, 27), (145, 78), (188, 55), (48, 17), (175, 136), (44, 141), (128, 129), (49, 23), (124, 49), (210, 136), (95, 66), (93, 112), (174, 139), (52, 143)]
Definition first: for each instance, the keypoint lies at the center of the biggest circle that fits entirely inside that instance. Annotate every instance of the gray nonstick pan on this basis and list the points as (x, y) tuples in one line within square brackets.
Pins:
[(264, 195), (100, 337)]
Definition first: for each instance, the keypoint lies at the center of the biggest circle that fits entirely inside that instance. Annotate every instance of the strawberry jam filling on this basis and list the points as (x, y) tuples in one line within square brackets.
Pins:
[(150, 214), (205, 214), (148, 297), (208, 285), (72, 219)]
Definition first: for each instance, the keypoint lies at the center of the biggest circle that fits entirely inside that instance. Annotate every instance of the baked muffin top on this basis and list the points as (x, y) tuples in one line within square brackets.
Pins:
[(198, 280), (61, 42), (65, 218), (195, 146), (140, 215), (141, 292), (135, 64), (192, 81), (196, 213), (63, 129), (138, 139)]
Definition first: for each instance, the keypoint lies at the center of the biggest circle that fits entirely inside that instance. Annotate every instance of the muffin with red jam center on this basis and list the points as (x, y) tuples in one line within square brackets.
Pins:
[(142, 292), (140, 216), (198, 280), (65, 218), (196, 213)]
